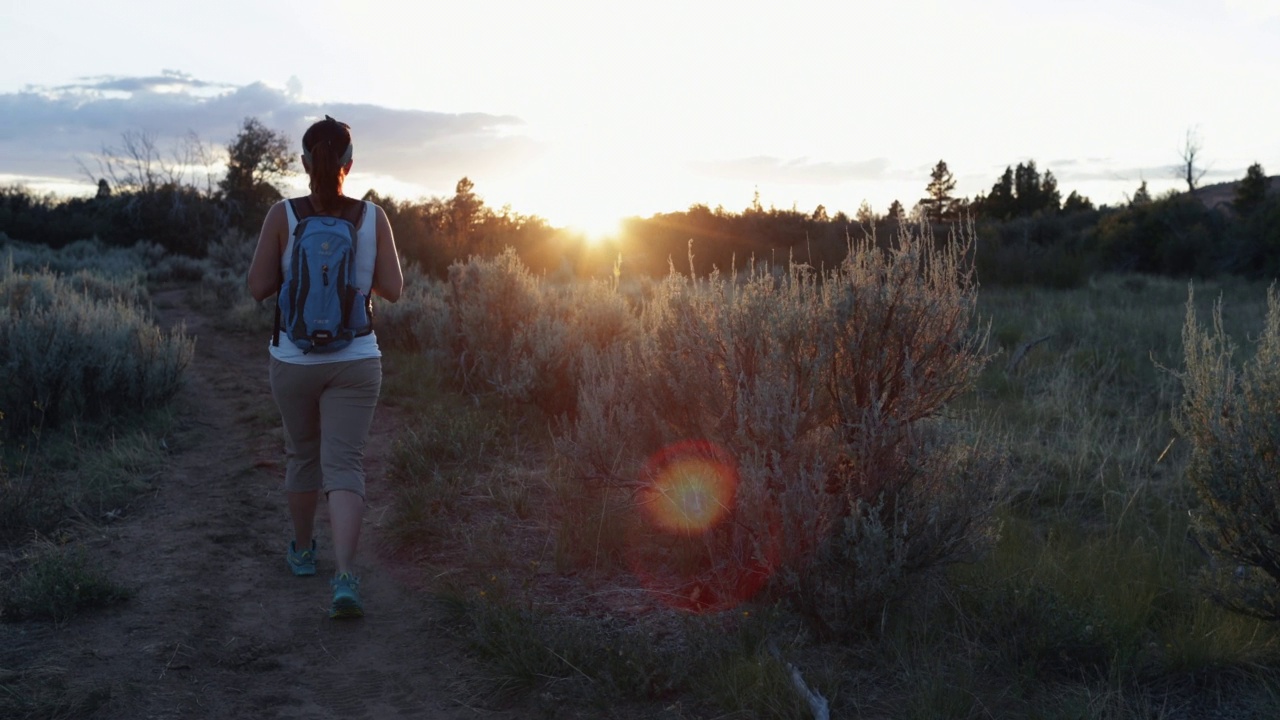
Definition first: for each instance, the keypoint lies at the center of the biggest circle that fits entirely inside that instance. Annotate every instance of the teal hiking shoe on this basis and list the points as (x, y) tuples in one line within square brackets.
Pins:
[(302, 563), (346, 597)]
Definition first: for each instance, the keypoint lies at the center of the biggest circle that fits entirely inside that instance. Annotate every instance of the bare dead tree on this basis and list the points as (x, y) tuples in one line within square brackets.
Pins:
[(138, 164), (196, 158), (1190, 169), (134, 165)]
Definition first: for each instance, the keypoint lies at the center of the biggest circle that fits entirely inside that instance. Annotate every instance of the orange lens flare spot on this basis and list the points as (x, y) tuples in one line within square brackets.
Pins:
[(690, 495), (700, 561)]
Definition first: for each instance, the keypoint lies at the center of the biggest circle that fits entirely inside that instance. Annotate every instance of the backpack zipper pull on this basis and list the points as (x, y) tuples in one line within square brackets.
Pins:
[(324, 274)]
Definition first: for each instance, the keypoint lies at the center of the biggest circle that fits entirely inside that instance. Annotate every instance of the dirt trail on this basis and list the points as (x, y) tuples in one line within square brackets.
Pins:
[(218, 627)]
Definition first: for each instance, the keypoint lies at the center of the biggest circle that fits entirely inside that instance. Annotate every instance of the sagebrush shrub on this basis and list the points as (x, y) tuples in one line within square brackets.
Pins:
[(72, 349), (1231, 415), (826, 389), (233, 250), (420, 321), (524, 338), (119, 264)]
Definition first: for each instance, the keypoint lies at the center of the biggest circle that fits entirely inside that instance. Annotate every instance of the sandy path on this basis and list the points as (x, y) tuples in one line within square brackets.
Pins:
[(219, 628)]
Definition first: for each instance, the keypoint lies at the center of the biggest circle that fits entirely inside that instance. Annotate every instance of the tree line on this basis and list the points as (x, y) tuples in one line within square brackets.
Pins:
[(1028, 232)]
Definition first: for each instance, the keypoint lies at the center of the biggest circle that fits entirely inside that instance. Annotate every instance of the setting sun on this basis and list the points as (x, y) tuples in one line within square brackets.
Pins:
[(596, 230)]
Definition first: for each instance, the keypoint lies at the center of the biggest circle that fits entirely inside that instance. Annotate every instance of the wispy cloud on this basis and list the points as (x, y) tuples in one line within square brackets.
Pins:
[(1134, 173), (50, 131), (166, 81)]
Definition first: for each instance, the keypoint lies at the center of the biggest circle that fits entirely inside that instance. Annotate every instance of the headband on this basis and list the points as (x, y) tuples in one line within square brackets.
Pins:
[(346, 155)]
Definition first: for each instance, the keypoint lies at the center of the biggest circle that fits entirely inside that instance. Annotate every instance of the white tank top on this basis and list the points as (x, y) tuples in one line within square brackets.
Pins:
[(365, 346)]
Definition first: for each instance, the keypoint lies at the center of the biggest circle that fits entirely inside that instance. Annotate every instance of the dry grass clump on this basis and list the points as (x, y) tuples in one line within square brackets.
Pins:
[(825, 389), (1231, 416)]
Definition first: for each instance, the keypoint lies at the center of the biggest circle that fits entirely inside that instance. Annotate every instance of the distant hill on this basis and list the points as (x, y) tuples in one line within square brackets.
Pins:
[(1221, 194)]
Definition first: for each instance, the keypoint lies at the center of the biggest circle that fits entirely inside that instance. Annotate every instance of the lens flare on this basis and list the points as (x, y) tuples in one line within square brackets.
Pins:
[(690, 488), (689, 548)]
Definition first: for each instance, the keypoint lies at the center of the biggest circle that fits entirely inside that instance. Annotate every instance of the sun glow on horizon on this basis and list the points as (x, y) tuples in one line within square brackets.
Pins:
[(597, 229)]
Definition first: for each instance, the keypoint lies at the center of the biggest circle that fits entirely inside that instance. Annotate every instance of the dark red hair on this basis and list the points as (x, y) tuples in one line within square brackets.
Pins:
[(327, 147)]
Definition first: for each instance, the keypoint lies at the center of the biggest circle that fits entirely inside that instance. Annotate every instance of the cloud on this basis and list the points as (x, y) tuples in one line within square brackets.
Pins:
[(166, 81), (48, 132), (797, 171)]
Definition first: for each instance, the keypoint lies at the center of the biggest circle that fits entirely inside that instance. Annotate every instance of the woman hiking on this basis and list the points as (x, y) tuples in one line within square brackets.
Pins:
[(319, 252)]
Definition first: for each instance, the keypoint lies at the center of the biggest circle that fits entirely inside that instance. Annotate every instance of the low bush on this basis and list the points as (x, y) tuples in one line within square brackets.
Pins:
[(525, 339), (819, 398), (1229, 415), (73, 348), (421, 321), (121, 265)]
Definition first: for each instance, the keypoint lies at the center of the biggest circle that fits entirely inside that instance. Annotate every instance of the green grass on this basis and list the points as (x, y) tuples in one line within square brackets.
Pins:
[(86, 473), (57, 582), (443, 460), (1095, 572)]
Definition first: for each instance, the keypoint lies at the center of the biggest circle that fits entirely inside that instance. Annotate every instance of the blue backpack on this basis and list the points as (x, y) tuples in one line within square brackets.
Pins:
[(320, 306)]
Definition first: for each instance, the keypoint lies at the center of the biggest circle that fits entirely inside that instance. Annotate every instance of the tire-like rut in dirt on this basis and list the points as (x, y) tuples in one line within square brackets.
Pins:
[(218, 627)]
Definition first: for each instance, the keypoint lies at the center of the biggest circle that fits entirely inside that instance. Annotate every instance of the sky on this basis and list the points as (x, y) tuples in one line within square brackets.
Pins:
[(586, 112)]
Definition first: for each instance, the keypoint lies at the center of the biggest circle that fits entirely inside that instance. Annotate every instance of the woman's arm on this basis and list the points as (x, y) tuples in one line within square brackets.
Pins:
[(388, 279), (264, 272)]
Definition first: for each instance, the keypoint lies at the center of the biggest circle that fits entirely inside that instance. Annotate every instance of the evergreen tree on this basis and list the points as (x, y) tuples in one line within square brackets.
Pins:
[(463, 215), (865, 215), (1026, 188), (1000, 203), (1050, 198), (1076, 202), (1020, 192), (896, 211), (941, 183), (1251, 191), (1142, 196)]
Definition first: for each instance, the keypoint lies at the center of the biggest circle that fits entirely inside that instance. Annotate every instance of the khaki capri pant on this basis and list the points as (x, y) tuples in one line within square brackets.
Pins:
[(327, 411)]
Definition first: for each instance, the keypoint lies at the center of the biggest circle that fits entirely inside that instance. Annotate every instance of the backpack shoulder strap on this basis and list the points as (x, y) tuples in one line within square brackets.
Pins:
[(301, 208), (354, 213)]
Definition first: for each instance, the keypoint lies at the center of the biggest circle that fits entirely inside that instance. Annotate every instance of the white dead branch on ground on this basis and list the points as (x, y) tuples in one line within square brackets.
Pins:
[(817, 703), (1021, 353)]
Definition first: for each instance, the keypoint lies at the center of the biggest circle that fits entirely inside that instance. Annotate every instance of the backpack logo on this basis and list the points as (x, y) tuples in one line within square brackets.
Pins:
[(320, 307)]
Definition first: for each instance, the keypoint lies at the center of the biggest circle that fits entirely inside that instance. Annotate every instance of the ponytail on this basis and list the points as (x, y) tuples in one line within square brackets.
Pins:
[(327, 147)]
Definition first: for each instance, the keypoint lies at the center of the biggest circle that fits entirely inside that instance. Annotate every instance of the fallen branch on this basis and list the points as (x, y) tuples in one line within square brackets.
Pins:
[(1021, 353), (817, 703)]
